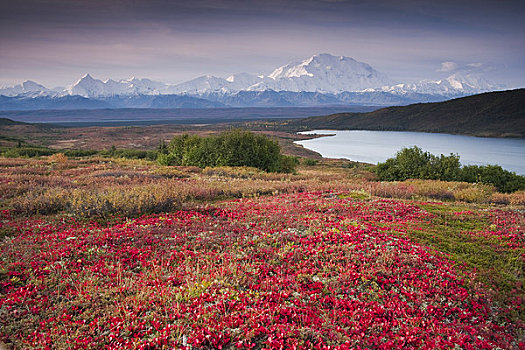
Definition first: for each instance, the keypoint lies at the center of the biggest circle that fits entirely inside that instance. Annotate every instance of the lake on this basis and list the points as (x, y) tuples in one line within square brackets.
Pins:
[(377, 146)]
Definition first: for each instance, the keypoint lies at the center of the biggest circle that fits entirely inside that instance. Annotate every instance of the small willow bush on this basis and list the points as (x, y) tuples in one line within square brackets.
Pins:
[(232, 148), (414, 163)]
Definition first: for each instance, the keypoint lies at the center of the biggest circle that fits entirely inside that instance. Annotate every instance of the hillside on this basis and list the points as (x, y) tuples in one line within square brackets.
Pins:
[(7, 121), (490, 114)]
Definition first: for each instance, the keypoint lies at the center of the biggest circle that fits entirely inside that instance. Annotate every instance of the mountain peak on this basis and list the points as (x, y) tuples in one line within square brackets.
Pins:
[(329, 57), (327, 73), (87, 76), (322, 72), (28, 87), (34, 86)]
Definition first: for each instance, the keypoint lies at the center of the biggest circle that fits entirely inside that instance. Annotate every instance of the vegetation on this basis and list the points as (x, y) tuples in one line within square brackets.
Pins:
[(232, 148), (414, 163), (310, 162), (503, 180), (126, 253), (26, 151), (115, 249), (499, 114)]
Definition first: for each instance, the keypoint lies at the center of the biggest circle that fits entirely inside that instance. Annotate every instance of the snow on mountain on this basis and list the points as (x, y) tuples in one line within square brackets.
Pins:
[(320, 73), (145, 86), (324, 73), (28, 88), (471, 82), (87, 86), (457, 84), (243, 81), (199, 85), (210, 83)]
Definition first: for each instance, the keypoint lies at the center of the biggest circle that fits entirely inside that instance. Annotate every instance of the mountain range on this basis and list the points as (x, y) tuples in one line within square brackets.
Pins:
[(319, 80)]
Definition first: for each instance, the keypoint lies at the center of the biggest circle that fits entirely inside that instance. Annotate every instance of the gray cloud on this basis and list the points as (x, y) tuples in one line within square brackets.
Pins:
[(57, 40)]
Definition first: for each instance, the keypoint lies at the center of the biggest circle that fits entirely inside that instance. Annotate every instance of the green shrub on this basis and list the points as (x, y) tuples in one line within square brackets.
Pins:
[(503, 180), (129, 153), (26, 152), (310, 162), (165, 159), (413, 163), (287, 164), (232, 148)]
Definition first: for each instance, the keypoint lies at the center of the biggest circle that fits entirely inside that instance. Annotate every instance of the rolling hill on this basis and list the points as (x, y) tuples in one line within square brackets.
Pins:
[(500, 114)]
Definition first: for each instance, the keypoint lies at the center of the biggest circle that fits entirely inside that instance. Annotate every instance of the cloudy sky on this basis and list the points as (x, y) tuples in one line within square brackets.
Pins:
[(54, 42)]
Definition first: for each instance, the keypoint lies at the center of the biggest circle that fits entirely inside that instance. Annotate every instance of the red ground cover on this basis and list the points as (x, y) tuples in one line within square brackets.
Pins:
[(310, 270)]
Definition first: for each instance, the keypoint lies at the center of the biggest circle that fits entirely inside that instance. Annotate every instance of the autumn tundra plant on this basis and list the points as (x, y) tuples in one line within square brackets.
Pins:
[(311, 270), (231, 148)]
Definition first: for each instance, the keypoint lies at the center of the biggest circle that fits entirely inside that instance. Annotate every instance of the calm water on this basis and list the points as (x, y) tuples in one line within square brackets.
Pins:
[(377, 146)]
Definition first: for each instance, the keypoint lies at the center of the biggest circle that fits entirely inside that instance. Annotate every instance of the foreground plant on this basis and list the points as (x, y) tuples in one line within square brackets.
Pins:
[(307, 270)]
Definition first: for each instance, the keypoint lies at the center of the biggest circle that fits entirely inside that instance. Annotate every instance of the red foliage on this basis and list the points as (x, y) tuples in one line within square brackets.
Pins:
[(306, 270)]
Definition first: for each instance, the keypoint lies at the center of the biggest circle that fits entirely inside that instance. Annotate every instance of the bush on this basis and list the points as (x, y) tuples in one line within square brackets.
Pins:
[(413, 163), (310, 162), (165, 159), (58, 159), (26, 152), (503, 180), (287, 164), (232, 148)]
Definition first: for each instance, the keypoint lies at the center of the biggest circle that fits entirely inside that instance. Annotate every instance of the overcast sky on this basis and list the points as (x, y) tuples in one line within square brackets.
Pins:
[(54, 42)]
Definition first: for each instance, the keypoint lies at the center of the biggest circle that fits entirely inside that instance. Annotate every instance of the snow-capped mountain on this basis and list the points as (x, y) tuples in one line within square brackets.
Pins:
[(320, 73), (334, 80), (324, 73), (27, 88), (459, 83), (200, 85), (239, 82), (210, 83), (87, 86)]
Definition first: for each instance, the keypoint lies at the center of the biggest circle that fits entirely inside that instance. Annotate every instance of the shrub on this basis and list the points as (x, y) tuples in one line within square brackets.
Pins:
[(232, 148), (287, 164), (414, 163), (130, 154), (476, 194), (80, 152), (503, 180), (310, 162), (26, 152), (166, 159)]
